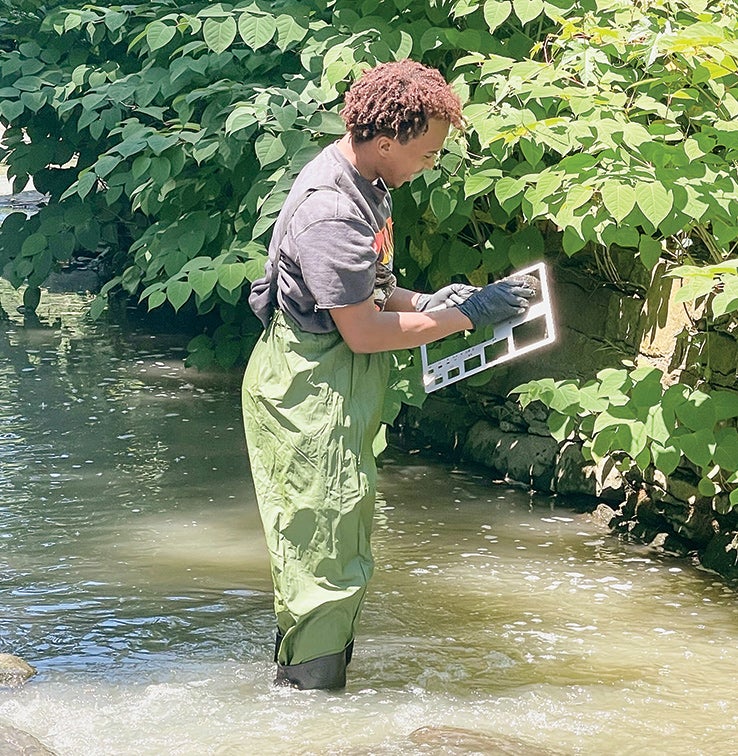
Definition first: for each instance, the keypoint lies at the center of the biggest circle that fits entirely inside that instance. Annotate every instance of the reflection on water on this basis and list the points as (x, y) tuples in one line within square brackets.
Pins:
[(134, 578)]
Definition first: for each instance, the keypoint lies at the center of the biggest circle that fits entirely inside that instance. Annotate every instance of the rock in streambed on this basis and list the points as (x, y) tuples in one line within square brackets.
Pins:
[(14, 671)]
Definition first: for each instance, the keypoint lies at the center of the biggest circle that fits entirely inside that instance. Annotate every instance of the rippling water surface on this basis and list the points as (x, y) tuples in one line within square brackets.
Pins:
[(134, 578)]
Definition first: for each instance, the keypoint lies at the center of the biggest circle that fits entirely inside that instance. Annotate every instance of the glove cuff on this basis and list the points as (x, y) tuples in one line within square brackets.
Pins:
[(421, 303), (468, 308)]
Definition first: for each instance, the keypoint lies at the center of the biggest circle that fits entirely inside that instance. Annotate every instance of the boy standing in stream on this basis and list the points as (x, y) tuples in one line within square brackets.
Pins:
[(314, 386)]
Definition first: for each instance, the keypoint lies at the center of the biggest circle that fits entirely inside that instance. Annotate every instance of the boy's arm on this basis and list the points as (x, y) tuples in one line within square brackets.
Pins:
[(367, 330), (402, 300)]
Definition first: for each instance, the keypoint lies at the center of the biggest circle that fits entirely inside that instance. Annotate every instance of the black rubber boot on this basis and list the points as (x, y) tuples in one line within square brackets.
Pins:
[(323, 673)]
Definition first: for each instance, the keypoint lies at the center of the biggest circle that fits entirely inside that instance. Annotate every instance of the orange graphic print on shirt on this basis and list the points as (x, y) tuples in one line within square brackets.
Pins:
[(385, 282), (384, 244)]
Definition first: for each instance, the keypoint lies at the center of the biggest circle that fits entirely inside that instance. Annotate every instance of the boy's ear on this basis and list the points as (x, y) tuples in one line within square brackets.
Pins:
[(384, 144)]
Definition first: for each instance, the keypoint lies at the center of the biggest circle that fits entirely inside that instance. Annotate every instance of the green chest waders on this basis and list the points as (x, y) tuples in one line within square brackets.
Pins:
[(311, 410)]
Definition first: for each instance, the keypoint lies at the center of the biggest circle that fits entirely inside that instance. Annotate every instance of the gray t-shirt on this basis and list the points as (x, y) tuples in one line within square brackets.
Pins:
[(333, 245)]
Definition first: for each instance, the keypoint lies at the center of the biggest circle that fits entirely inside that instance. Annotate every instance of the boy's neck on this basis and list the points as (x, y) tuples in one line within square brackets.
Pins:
[(360, 156)]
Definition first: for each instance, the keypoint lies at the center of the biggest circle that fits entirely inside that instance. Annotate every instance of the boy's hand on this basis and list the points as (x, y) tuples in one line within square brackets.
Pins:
[(448, 296), (497, 302)]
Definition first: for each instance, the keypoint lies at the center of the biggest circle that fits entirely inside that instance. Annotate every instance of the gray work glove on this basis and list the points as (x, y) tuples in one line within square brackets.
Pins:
[(448, 296), (497, 301)]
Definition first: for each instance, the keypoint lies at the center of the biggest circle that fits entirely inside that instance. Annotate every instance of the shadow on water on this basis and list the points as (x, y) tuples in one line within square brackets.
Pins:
[(134, 578)]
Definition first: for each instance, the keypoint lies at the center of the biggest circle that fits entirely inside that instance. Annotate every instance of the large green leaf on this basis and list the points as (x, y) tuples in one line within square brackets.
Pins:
[(219, 34), (725, 404), (241, 117), (726, 451), (203, 282), (698, 412), (159, 34), (11, 109), (654, 200), (496, 12), (85, 183), (590, 401), (232, 275), (619, 198), (290, 29), (646, 390), (577, 196), (507, 188), (442, 203), (480, 182), (527, 10), (665, 458), (548, 183), (649, 251), (614, 416), (257, 31), (269, 148), (565, 398), (560, 426), (178, 292), (634, 438), (698, 447)]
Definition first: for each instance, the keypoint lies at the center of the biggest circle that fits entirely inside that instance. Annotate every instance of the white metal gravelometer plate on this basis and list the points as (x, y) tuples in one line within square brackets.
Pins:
[(512, 338)]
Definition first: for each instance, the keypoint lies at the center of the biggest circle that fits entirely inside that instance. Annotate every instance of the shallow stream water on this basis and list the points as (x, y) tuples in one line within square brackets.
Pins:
[(134, 578)]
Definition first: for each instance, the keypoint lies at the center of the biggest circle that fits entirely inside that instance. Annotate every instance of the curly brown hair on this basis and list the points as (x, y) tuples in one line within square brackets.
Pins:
[(397, 99)]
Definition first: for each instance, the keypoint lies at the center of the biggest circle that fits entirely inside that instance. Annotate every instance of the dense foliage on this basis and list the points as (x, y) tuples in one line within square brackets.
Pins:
[(631, 417), (167, 134)]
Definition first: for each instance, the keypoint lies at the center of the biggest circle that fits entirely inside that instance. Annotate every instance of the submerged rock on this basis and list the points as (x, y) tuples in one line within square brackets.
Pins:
[(14, 671), (602, 515), (457, 740), (721, 554), (15, 742)]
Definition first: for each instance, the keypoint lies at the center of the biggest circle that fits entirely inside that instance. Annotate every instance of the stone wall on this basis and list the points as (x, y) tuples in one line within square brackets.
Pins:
[(599, 325)]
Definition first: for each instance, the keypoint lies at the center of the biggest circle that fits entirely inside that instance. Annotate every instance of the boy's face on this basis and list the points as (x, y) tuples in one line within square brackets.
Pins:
[(400, 163)]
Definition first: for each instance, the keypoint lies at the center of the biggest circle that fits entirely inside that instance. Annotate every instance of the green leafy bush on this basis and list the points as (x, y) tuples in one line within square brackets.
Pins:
[(185, 125), (630, 416), (167, 135)]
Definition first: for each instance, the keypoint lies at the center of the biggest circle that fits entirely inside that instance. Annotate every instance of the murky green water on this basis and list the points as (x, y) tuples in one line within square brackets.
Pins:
[(134, 577)]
